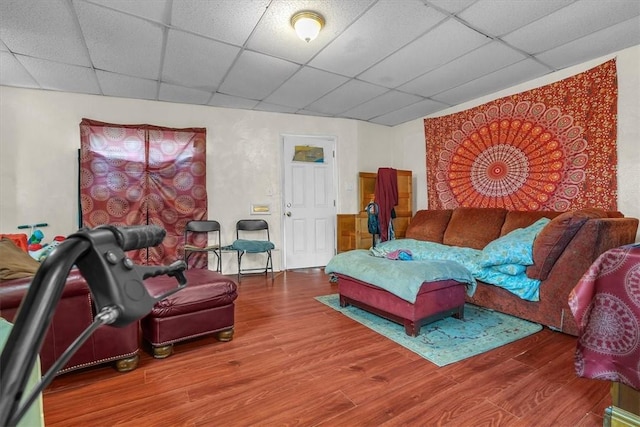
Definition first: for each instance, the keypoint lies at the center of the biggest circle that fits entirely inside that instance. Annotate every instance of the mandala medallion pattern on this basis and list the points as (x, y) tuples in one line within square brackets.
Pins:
[(538, 150), (610, 262), (632, 285), (613, 328), (606, 306), (136, 175)]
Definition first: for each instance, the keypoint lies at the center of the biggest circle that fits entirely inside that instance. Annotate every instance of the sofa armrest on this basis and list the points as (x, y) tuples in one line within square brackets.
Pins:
[(74, 313), (595, 237), (13, 291)]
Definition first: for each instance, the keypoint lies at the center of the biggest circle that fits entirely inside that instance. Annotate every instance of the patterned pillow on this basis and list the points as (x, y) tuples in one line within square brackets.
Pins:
[(510, 269), (513, 248)]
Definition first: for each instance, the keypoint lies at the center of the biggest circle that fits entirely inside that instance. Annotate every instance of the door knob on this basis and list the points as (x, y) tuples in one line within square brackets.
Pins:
[(288, 213)]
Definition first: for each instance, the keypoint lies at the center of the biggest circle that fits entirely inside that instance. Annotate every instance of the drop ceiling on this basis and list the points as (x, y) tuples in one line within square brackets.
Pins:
[(382, 61)]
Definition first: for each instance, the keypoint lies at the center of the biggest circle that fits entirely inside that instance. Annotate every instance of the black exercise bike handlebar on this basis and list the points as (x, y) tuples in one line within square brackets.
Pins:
[(117, 288)]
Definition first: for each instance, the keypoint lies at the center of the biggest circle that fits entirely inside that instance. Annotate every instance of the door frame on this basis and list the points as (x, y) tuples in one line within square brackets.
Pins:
[(283, 237)]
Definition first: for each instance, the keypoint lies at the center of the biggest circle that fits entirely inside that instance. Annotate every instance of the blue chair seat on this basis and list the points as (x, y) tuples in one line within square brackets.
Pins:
[(252, 246)]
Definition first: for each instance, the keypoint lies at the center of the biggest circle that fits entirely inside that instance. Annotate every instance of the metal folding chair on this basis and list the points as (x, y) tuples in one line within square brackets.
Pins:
[(252, 236), (197, 237)]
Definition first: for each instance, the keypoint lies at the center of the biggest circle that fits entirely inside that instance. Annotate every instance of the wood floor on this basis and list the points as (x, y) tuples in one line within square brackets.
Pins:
[(295, 361)]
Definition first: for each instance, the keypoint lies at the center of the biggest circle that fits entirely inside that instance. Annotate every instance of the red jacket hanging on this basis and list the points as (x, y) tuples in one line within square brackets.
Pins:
[(386, 196)]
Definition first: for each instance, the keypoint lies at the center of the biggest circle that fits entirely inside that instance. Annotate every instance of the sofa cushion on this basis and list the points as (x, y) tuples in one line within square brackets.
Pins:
[(554, 238), (14, 262), (513, 248), (429, 225), (522, 219), (474, 227)]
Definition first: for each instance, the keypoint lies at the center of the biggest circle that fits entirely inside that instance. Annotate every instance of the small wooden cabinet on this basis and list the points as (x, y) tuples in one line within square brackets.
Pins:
[(352, 229)]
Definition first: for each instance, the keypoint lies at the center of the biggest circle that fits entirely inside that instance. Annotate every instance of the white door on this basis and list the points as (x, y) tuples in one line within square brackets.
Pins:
[(309, 201)]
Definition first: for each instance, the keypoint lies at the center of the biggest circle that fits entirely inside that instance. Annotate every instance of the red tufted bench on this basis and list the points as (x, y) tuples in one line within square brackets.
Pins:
[(205, 306), (435, 301)]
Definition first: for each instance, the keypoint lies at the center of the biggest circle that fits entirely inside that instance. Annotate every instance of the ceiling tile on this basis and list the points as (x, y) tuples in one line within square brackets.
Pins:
[(64, 77), (347, 96), (113, 84), (451, 6), (484, 60), (570, 23), (439, 46), (499, 17), (13, 73), (255, 76), (383, 104), (411, 112), (304, 87), (520, 72), (275, 36), (155, 10), (617, 37), (224, 20), (222, 100), (185, 95), (208, 61), (247, 50), (48, 31), (378, 33), (265, 106), (312, 113), (121, 43)]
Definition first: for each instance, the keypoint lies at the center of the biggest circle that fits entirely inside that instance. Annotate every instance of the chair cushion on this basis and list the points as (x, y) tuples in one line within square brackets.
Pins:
[(252, 246)]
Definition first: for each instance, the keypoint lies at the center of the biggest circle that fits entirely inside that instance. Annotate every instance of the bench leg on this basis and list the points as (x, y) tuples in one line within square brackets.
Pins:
[(162, 351), (127, 364), (411, 328), (343, 301), (224, 336)]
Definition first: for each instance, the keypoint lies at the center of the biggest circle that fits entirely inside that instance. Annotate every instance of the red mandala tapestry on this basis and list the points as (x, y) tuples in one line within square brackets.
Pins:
[(550, 148)]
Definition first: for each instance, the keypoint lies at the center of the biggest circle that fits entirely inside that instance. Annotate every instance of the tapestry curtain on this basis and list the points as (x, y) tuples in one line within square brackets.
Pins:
[(550, 148), (143, 174)]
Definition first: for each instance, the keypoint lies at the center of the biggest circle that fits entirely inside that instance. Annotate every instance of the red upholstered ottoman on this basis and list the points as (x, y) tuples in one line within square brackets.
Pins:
[(205, 306), (435, 301)]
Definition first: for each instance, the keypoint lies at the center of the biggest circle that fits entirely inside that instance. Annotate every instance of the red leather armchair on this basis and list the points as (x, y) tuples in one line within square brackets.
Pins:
[(74, 313)]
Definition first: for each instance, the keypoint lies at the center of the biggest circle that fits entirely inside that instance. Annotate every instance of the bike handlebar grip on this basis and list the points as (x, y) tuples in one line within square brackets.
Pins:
[(139, 236)]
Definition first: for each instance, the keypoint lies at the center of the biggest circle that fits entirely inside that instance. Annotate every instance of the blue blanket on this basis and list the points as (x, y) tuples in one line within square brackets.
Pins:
[(429, 258), (401, 278)]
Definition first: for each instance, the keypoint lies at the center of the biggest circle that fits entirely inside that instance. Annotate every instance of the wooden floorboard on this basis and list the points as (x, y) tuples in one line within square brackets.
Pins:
[(295, 361)]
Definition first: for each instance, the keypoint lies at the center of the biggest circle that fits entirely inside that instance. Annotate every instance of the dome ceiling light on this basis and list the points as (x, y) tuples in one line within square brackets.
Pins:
[(307, 24)]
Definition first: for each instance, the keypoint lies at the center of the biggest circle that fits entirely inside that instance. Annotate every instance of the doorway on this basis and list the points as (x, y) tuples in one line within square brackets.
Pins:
[(309, 201)]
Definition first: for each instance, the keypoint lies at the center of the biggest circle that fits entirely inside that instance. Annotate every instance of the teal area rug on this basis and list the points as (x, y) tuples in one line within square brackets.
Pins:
[(448, 340)]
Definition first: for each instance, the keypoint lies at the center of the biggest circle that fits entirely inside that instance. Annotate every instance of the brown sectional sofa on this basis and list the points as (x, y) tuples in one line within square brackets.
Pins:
[(562, 252)]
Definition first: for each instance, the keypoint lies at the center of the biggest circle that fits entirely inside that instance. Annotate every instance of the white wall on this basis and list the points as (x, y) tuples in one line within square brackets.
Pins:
[(628, 67), (39, 138)]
